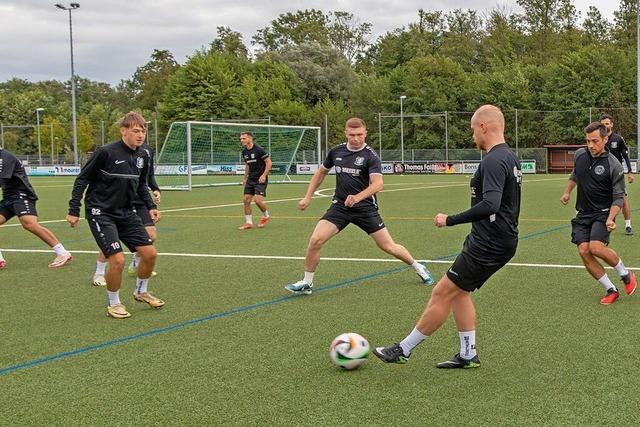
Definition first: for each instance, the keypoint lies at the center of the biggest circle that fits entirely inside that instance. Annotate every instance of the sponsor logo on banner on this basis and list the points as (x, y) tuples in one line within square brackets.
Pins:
[(528, 166), (387, 168), (221, 169), (306, 169), (470, 168), (180, 170)]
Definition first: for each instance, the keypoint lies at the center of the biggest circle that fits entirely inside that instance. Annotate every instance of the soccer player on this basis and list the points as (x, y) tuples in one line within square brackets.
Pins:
[(600, 180), (358, 179), (617, 147), (255, 180), (142, 211), (116, 175), (492, 242), (19, 199)]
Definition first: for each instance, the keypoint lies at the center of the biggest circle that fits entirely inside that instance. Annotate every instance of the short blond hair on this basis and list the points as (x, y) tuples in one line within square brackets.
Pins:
[(355, 122), (132, 119)]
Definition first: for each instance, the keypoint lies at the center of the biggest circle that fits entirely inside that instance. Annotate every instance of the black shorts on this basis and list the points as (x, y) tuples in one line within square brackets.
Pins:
[(367, 218), (587, 228), (18, 206), (255, 188), (109, 231), (145, 216), (469, 272)]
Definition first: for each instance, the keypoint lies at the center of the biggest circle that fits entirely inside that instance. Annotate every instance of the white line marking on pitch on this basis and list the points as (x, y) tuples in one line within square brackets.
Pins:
[(298, 258)]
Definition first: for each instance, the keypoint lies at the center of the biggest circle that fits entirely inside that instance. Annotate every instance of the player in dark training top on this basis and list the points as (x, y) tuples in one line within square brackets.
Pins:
[(617, 147), (358, 179), (600, 180), (492, 242), (19, 199), (116, 175), (257, 165)]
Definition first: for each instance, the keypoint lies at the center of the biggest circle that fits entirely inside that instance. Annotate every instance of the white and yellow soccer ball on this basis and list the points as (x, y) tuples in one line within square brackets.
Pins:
[(349, 351)]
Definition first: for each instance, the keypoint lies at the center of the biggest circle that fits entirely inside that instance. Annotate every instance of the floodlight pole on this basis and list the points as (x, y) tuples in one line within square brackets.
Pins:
[(38, 125), (71, 7), (402, 130)]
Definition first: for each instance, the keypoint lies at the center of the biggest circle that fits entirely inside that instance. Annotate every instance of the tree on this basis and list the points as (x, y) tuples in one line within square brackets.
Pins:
[(303, 26), (348, 36), (149, 81), (624, 28), (323, 71), (595, 26), (230, 42)]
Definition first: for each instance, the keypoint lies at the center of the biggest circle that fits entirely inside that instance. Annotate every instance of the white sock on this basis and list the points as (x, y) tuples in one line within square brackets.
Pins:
[(248, 219), (114, 297), (607, 283), (467, 344), (621, 269), (627, 223), (411, 341), (308, 276), (135, 260), (265, 214), (101, 268), (141, 285), (60, 250), (417, 266)]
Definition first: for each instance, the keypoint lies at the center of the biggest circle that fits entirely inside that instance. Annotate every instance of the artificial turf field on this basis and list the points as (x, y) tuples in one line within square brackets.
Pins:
[(232, 347)]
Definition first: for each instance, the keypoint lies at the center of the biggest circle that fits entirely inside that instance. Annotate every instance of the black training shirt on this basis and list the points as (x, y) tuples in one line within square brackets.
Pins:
[(254, 160), (495, 201), (13, 177), (617, 147), (116, 176), (600, 182), (353, 169)]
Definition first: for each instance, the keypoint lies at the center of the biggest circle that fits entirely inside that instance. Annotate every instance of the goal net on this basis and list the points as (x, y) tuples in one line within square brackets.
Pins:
[(198, 154)]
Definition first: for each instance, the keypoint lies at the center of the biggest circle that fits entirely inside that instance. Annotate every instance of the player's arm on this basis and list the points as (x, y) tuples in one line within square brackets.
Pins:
[(493, 181), (571, 184), (152, 183), (267, 169), (316, 180), (618, 191), (87, 174), (375, 184), (246, 173), (143, 187), (9, 165), (625, 156)]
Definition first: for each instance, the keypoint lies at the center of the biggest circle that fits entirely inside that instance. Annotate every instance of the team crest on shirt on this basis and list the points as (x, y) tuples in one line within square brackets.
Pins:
[(359, 161), (599, 170), (614, 144), (140, 162), (253, 156)]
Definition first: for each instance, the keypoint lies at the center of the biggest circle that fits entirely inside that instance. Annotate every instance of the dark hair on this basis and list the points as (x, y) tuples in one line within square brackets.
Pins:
[(247, 132), (132, 119), (606, 116), (355, 122), (594, 126)]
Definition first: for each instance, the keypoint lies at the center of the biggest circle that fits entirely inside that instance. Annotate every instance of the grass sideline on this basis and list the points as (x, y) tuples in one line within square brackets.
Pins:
[(233, 348)]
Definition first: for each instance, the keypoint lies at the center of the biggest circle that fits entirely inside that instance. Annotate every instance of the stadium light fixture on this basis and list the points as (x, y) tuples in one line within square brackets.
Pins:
[(402, 97), (38, 129), (71, 7)]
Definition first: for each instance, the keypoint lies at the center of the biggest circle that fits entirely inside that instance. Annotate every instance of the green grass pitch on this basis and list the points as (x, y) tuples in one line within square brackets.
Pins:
[(232, 347)]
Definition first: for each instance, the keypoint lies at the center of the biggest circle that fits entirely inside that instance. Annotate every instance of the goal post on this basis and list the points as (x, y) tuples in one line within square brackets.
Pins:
[(199, 154)]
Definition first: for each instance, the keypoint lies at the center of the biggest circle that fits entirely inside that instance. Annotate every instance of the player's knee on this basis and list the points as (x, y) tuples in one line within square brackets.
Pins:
[(30, 225), (247, 199), (596, 248), (149, 253), (584, 250), (316, 242), (116, 261)]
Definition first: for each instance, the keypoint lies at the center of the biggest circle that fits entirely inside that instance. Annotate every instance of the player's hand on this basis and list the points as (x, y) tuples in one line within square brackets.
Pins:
[(630, 178), (440, 220), (155, 215), (155, 195), (262, 179), (564, 199), (73, 220), (351, 201), (303, 203), (611, 224)]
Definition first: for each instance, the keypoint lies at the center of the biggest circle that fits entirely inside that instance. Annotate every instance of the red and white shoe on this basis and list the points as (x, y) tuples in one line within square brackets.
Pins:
[(245, 226), (61, 260), (263, 221), (629, 284), (610, 298), (3, 264)]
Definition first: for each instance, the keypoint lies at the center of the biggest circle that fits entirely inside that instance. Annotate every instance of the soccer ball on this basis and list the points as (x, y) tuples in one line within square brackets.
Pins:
[(349, 350)]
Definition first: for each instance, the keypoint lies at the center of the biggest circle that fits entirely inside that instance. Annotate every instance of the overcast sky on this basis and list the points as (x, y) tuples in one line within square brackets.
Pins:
[(114, 37)]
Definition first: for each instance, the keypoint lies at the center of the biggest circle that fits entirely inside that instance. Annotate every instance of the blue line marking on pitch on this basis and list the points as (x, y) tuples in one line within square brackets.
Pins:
[(110, 343), (86, 349)]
